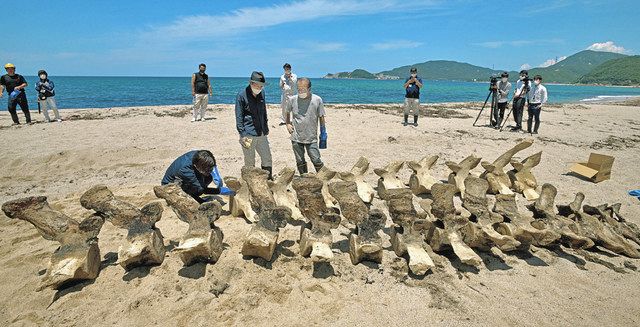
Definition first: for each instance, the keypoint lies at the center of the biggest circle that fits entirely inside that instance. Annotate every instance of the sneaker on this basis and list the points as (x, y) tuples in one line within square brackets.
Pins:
[(404, 124), (193, 120), (534, 133), (15, 124), (59, 120), (415, 124), (202, 119)]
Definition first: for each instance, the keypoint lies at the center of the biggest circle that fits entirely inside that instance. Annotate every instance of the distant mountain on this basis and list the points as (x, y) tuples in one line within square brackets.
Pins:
[(621, 71), (568, 71), (573, 67), (356, 74), (445, 70)]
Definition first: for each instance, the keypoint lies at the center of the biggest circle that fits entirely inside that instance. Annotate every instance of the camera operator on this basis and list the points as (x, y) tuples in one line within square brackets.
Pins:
[(519, 99), (504, 87)]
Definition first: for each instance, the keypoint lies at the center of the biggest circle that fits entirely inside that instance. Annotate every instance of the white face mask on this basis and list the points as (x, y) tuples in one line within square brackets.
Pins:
[(414, 75), (521, 77), (536, 82), (504, 80), (255, 90), (43, 76), (303, 95)]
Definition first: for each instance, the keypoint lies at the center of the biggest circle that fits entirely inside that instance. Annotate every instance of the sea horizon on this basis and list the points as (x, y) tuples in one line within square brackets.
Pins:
[(81, 92)]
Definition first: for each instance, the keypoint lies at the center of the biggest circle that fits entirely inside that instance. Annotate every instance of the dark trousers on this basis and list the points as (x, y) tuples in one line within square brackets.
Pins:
[(534, 113), (518, 110), (13, 105), (498, 113)]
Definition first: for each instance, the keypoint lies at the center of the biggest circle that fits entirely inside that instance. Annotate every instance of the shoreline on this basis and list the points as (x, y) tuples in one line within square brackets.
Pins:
[(632, 100), (128, 149)]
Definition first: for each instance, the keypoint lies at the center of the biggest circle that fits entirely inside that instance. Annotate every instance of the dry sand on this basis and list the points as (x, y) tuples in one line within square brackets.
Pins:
[(128, 149)]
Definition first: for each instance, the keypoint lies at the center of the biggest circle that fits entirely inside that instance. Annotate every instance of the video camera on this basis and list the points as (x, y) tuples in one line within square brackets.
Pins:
[(493, 86)]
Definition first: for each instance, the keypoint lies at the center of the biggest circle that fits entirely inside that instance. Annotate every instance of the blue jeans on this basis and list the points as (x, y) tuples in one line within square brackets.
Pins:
[(312, 151)]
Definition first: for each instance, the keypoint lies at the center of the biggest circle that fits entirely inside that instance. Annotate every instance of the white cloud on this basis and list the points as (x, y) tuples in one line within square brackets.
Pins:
[(608, 46), (525, 66), (250, 18), (396, 44), (552, 61)]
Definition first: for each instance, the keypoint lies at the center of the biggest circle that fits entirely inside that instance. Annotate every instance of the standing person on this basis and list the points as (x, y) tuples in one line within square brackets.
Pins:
[(200, 90), (504, 87), (288, 84), (520, 99), (15, 84), (252, 123), (412, 85), (537, 97), (45, 89), (307, 110)]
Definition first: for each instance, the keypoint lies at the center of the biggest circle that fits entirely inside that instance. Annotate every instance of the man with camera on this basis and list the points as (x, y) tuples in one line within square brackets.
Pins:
[(503, 88), (412, 85), (519, 99), (45, 89)]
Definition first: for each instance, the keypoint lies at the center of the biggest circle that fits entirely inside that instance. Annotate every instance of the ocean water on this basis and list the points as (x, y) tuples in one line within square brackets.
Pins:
[(108, 92)]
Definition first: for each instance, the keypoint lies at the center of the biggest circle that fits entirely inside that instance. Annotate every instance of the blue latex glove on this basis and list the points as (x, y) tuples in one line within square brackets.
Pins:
[(323, 137), (14, 94), (635, 193), (216, 177), (226, 191)]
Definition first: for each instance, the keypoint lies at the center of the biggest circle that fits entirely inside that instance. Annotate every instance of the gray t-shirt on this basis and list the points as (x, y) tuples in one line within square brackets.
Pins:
[(305, 114)]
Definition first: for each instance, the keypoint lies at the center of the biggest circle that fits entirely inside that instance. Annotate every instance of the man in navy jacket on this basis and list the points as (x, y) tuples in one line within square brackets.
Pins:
[(194, 171)]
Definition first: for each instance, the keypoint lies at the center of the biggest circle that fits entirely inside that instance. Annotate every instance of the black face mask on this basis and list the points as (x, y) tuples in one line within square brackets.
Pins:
[(202, 71)]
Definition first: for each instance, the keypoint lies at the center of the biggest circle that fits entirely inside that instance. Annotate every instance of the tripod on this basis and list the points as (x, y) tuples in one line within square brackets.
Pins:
[(494, 104)]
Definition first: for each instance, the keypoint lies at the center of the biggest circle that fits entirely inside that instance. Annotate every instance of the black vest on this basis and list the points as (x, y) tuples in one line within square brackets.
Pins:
[(201, 83)]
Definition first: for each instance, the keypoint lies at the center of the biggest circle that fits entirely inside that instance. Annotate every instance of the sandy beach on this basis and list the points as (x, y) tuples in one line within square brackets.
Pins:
[(128, 149)]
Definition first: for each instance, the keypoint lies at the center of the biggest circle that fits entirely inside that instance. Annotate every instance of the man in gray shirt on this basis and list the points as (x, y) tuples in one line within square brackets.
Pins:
[(303, 112), (504, 87)]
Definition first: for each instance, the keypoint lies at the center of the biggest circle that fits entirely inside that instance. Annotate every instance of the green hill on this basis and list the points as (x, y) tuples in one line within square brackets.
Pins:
[(621, 71), (358, 74), (573, 67), (445, 70), (568, 71)]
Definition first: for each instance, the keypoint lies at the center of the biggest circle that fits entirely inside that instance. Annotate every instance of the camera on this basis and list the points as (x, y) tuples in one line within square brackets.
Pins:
[(493, 83)]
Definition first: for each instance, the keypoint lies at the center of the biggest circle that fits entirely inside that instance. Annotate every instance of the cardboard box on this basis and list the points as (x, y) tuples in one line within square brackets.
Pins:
[(597, 169)]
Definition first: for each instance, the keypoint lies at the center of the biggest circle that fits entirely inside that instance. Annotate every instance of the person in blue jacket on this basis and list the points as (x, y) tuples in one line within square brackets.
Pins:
[(194, 171)]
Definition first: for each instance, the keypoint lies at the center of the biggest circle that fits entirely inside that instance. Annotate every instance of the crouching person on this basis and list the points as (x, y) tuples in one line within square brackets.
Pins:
[(194, 171), (304, 111)]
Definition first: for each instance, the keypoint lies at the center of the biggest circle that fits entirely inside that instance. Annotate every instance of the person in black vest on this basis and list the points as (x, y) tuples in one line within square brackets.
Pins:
[(200, 90), (252, 123), (15, 84)]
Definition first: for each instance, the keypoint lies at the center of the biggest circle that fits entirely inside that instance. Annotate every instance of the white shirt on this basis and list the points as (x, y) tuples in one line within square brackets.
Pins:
[(538, 94), (289, 86)]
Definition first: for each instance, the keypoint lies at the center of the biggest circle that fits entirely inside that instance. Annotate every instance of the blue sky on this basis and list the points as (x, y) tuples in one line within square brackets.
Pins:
[(169, 38)]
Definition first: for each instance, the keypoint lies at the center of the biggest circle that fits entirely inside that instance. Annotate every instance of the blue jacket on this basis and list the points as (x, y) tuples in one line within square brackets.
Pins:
[(251, 114), (182, 169), (47, 87)]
